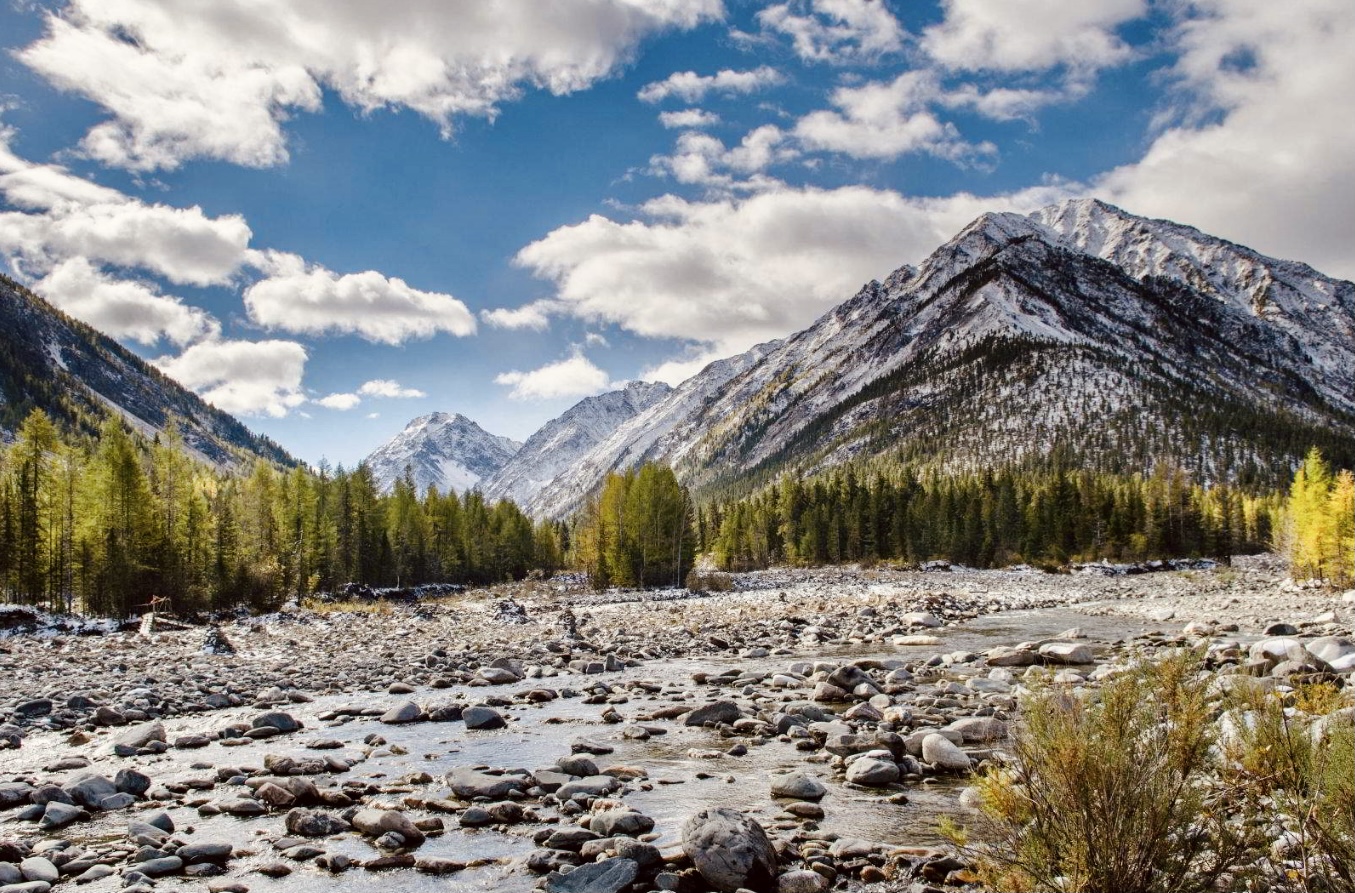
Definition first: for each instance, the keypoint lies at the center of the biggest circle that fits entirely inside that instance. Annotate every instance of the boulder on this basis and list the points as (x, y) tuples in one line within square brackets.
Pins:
[(607, 876), (314, 823), (376, 822), (276, 719), (1066, 653), (730, 850), (939, 751), (402, 713), (478, 718), (721, 711), (469, 784), (872, 773), (798, 786)]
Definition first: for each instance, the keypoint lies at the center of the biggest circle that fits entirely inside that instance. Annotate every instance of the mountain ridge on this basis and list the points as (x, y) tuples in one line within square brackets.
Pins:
[(77, 375)]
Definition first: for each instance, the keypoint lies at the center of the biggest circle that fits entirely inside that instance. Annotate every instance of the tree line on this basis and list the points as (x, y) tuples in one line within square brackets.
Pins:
[(105, 525), (990, 518)]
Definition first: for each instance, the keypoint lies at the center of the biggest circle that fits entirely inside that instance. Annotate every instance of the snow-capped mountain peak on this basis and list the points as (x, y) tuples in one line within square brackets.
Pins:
[(443, 450)]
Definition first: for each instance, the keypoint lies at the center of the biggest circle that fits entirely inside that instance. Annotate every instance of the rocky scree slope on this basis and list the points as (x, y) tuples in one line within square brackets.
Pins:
[(79, 377), (1123, 343)]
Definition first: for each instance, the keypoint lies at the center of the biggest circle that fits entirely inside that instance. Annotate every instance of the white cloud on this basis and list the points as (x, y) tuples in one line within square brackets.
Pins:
[(1006, 103), (700, 158), (688, 119), (340, 402), (1031, 35), (886, 120), (314, 300), (385, 387), (184, 79), (63, 216), (692, 87), (573, 377), (534, 316), (121, 308), (1272, 167), (733, 272), (836, 31), (242, 377)]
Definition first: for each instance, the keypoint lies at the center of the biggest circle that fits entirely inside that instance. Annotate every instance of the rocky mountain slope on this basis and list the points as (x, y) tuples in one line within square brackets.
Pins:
[(563, 441), (441, 450), (52, 362), (1120, 342)]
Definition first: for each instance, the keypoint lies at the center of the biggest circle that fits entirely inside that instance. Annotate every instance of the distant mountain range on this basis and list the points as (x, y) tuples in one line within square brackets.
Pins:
[(80, 377), (1117, 342)]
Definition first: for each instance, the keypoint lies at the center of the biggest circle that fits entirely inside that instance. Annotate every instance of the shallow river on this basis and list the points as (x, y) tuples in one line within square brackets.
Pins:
[(536, 738)]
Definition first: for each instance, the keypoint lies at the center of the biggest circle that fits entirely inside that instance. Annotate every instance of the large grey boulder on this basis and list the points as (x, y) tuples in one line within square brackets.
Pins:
[(720, 711), (798, 786), (469, 784), (1070, 653), (730, 850), (607, 876), (941, 753), (872, 773)]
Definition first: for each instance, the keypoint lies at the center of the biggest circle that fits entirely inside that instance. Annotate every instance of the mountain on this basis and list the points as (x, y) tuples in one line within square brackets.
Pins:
[(1113, 341), (79, 377), (441, 450), (561, 442)]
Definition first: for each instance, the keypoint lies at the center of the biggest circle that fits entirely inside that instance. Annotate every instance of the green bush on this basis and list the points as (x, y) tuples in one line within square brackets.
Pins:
[(1112, 791)]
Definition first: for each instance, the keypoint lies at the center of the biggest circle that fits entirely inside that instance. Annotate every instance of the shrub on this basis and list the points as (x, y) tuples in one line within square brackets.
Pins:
[(1297, 767), (1110, 792)]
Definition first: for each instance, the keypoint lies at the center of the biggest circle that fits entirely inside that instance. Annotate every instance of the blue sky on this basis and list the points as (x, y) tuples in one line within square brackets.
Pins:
[(329, 217)]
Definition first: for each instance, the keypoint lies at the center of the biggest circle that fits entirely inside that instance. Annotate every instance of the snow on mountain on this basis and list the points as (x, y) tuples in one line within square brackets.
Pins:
[(441, 450), (560, 443), (653, 433), (1125, 340)]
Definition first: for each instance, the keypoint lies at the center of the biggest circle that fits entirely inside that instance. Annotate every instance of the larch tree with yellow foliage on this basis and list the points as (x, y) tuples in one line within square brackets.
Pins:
[(1319, 533)]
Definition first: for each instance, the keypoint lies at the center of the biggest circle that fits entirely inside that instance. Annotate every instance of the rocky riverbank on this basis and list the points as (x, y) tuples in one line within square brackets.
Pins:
[(801, 732)]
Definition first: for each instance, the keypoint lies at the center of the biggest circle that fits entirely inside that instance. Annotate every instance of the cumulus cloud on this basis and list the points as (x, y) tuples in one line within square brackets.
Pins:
[(62, 216), (121, 308), (730, 273), (692, 87), (183, 79), (535, 316), (340, 402), (1031, 35), (385, 387), (688, 119), (700, 158), (572, 377), (836, 31), (886, 120), (242, 377), (313, 300), (1262, 153)]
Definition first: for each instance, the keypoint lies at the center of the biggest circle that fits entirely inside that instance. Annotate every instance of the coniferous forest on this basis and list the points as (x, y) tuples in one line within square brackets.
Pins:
[(1042, 516), (104, 526)]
